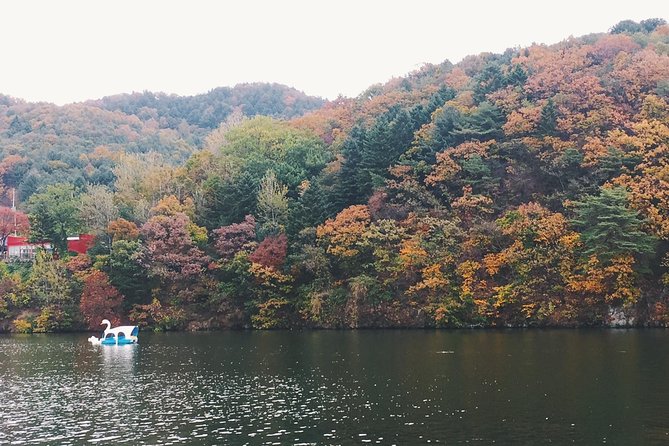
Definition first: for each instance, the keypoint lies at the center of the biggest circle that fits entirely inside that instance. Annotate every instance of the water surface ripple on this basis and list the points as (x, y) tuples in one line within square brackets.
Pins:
[(339, 387)]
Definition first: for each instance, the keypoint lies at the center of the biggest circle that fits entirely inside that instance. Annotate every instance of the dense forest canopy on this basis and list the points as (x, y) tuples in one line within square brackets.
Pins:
[(80, 143), (529, 188), (208, 110)]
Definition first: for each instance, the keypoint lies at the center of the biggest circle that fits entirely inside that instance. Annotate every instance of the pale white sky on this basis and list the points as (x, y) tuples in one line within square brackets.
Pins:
[(72, 50)]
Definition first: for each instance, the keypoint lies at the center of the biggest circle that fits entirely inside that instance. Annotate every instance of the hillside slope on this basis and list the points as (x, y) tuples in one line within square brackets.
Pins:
[(529, 188), (58, 143)]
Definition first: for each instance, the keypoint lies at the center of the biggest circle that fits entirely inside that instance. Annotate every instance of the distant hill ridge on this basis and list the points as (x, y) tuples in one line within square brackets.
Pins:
[(55, 141), (208, 110)]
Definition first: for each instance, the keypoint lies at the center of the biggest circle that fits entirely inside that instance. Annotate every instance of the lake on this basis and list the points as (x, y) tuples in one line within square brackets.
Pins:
[(386, 387)]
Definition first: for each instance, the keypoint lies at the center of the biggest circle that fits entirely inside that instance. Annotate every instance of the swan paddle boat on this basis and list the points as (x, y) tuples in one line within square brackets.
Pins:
[(123, 335)]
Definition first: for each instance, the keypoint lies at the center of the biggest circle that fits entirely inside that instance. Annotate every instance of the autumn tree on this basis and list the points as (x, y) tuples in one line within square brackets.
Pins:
[(271, 252), (523, 188), (12, 222), (235, 237), (141, 181), (342, 235), (48, 282), (170, 252), (529, 273), (471, 206), (171, 205), (49, 287), (122, 229), (98, 209), (217, 138), (272, 204), (100, 300)]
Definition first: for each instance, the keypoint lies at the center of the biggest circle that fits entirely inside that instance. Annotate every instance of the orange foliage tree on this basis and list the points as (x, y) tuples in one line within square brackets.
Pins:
[(528, 274), (100, 300), (343, 234), (122, 229)]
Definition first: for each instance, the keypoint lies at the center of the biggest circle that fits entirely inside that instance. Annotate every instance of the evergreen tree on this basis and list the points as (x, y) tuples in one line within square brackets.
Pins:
[(347, 188), (548, 123), (54, 215), (310, 209), (649, 25), (517, 76), (487, 81), (126, 273), (422, 113), (626, 26), (386, 141), (446, 121), (477, 174), (18, 126), (483, 124), (609, 228), (228, 201)]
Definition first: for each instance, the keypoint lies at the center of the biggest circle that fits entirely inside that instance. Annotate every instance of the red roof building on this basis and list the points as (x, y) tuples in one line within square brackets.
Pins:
[(80, 244), (19, 248)]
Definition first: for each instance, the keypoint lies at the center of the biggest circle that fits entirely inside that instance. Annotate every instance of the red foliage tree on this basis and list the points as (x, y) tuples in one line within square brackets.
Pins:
[(79, 265), (271, 252), (233, 238), (100, 300), (170, 252), (12, 221)]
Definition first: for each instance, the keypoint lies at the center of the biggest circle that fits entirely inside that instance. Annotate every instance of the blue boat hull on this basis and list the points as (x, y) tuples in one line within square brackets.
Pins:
[(121, 341)]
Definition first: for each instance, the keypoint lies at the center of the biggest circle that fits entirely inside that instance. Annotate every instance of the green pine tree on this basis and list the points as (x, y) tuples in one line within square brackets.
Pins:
[(548, 122), (609, 228)]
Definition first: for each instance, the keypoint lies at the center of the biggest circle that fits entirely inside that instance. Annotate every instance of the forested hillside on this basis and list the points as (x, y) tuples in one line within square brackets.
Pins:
[(80, 143), (208, 110), (529, 188)]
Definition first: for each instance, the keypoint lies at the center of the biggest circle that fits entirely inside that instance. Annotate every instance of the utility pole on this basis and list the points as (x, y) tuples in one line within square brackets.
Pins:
[(14, 207)]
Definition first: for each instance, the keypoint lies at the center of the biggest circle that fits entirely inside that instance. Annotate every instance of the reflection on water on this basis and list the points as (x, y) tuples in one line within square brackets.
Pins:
[(118, 360), (329, 387)]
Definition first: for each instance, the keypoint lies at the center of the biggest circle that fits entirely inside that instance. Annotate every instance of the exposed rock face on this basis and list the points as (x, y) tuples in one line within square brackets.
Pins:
[(618, 318)]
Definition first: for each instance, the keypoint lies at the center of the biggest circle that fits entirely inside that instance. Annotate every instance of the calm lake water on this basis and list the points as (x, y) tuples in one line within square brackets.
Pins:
[(339, 387)]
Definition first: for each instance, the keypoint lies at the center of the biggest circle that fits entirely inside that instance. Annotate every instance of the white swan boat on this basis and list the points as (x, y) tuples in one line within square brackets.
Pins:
[(122, 335)]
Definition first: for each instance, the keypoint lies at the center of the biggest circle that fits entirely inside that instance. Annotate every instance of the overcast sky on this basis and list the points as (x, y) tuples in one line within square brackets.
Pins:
[(71, 50)]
